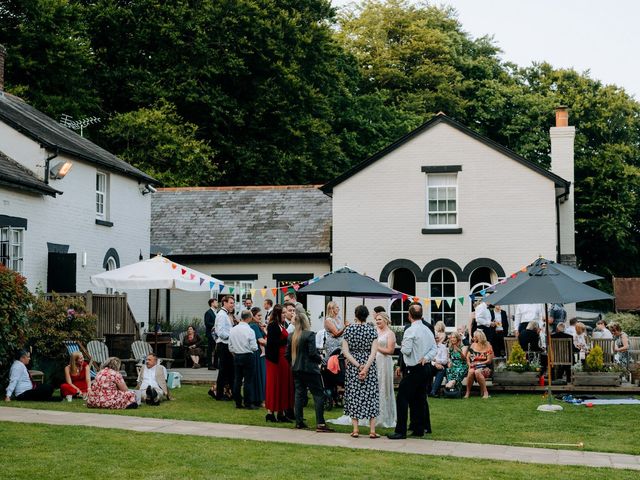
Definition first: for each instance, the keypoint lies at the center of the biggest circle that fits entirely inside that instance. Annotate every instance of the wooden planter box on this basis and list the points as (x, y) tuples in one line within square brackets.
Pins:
[(596, 379), (515, 378)]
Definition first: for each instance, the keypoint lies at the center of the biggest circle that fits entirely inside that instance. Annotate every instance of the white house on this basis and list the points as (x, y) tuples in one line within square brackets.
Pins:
[(68, 208), (444, 212)]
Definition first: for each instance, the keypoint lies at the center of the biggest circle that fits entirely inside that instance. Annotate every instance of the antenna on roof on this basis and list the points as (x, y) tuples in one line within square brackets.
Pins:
[(69, 122)]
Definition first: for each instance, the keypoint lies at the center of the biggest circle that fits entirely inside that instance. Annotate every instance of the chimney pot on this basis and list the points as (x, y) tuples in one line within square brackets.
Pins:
[(3, 55), (562, 116)]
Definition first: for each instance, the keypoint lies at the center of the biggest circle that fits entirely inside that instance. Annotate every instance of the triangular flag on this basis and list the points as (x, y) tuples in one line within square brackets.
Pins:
[(427, 300), (263, 291), (523, 269), (404, 297), (438, 302), (183, 270), (192, 276), (284, 289), (296, 286), (274, 291), (450, 302), (165, 260), (212, 285), (221, 287), (513, 275), (174, 266), (231, 289), (483, 292), (201, 280), (253, 292), (461, 300)]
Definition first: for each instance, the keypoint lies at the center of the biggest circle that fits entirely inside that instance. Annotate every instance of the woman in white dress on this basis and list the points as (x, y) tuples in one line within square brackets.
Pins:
[(384, 361)]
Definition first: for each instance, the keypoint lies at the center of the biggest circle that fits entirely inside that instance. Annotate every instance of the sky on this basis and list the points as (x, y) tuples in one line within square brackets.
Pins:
[(599, 36)]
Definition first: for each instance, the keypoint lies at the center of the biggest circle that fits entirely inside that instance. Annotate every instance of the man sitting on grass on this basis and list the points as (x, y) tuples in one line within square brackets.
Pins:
[(21, 385), (152, 381)]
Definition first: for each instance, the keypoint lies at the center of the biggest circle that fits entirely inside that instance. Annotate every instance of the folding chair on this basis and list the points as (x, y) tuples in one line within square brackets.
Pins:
[(140, 349), (100, 353)]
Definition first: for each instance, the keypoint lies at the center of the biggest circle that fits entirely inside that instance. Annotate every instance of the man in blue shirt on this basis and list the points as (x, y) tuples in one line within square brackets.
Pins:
[(20, 382)]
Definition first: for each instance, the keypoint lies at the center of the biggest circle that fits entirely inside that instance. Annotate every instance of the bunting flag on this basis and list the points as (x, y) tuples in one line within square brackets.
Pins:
[(263, 291), (523, 269), (461, 300), (284, 289), (231, 289), (221, 288), (274, 291), (183, 270), (450, 301), (174, 266), (212, 285), (483, 292), (201, 280), (296, 286), (253, 292), (513, 275), (192, 276), (404, 297), (416, 299), (438, 302)]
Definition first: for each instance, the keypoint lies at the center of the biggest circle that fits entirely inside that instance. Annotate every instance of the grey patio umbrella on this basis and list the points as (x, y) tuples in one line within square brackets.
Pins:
[(349, 283), (545, 283)]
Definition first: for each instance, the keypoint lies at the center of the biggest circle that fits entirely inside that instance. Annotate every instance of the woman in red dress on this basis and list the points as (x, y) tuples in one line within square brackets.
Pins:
[(279, 388), (76, 374)]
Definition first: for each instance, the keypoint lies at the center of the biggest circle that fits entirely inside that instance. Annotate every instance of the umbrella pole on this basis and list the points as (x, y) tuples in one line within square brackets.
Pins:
[(549, 407), (344, 309), (155, 348)]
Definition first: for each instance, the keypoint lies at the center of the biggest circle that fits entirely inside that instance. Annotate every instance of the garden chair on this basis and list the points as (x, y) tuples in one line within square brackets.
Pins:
[(76, 346), (140, 349), (562, 356), (508, 345), (606, 344), (100, 353), (634, 349)]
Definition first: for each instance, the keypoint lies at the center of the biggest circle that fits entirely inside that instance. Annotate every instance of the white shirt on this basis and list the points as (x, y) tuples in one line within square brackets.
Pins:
[(242, 339), (418, 343), (602, 334), (442, 354), (19, 380), (528, 312), (483, 315), (570, 329), (223, 326), (149, 378)]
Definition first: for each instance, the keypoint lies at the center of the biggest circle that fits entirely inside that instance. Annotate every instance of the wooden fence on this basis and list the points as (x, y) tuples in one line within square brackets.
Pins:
[(113, 312)]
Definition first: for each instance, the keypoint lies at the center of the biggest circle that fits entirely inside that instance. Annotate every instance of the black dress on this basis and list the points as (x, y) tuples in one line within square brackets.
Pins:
[(361, 398)]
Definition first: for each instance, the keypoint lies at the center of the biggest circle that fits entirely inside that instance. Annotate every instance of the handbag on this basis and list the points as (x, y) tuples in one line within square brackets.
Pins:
[(455, 392)]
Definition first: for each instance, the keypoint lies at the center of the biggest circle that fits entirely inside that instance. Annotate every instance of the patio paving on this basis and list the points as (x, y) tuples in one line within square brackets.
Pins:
[(245, 432)]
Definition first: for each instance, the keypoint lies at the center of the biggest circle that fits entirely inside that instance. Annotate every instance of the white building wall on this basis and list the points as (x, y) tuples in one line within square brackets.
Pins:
[(506, 211), (69, 219)]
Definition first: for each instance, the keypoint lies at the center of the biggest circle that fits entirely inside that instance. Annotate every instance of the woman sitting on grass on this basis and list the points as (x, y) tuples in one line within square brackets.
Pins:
[(479, 361), (76, 374), (109, 390)]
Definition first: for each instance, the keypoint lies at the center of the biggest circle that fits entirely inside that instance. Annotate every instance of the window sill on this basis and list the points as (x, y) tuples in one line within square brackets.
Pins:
[(450, 231), (104, 223)]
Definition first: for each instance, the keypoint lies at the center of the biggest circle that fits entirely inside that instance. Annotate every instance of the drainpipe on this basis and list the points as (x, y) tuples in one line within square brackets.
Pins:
[(558, 197), (46, 165)]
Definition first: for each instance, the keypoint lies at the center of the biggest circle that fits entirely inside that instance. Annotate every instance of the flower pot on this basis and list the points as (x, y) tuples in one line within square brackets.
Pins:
[(507, 377), (597, 379)]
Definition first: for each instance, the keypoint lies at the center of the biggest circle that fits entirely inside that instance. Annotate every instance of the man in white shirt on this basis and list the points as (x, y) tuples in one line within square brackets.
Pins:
[(268, 307), (525, 313), (20, 382), (223, 326), (152, 381), (418, 349), (570, 328), (483, 320), (242, 344), (601, 330)]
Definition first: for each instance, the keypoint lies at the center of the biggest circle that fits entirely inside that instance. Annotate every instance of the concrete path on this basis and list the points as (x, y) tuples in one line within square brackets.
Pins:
[(414, 446)]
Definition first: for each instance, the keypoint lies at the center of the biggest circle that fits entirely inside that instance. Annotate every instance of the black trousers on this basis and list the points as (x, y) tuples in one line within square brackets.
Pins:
[(313, 382), (488, 332), (243, 371), (225, 369), (412, 394), (41, 393), (211, 344)]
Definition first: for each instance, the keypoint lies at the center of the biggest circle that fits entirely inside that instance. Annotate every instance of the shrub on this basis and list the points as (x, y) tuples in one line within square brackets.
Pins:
[(629, 322), (15, 300), (517, 361), (594, 361)]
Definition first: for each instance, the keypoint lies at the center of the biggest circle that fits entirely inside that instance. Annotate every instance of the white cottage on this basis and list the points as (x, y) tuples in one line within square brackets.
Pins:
[(444, 212), (68, 208)]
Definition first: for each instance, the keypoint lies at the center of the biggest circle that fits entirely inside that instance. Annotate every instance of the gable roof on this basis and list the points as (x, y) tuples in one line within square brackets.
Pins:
[(14, 175), (223, 221), (436, 120), (53, 136)]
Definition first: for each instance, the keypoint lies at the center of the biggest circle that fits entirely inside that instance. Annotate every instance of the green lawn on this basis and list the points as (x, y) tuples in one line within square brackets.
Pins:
[(503, 419), (30, 451)]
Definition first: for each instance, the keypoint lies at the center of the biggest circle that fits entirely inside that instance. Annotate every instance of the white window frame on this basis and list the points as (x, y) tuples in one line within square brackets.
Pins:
[(438, 314), (102, 196), (438, 189), (111, 265), (12, 241), (240, 288)]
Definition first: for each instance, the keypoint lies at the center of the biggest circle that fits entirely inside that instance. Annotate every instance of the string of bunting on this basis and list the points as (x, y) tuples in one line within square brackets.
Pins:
[(450, 301)]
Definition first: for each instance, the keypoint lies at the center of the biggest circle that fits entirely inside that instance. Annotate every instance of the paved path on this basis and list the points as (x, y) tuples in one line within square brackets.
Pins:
[(420, 447)]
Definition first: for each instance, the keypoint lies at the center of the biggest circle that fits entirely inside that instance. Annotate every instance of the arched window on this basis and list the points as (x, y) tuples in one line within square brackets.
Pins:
[(403, 280), (442, 287), (111, 265), (480, 279)]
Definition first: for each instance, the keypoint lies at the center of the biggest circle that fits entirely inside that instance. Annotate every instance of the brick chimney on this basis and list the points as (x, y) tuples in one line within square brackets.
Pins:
[(562, 164), (3, 55)]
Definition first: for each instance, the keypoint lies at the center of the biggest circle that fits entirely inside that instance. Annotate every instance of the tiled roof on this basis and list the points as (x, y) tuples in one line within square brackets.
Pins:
[(43, 129), (241, 220), (15, 175)]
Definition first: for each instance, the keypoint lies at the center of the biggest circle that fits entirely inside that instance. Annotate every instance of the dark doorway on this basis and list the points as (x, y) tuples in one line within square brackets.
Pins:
[(404, 281), (61, 272)]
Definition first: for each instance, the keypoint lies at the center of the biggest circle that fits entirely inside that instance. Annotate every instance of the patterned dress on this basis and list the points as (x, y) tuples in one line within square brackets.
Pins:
[(361, 398), (458, 369), (104, 391)]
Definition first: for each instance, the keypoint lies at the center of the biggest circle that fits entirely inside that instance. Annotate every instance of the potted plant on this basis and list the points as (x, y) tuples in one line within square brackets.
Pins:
[(517, 370), (594, 372)]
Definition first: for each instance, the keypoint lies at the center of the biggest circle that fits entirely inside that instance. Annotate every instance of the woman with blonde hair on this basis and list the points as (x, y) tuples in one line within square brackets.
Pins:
[(479, 360), (384, 362), (334, 327), (457, 368), (439, 327), (76, 374), (580, 338), (305, 360), (109, 390)]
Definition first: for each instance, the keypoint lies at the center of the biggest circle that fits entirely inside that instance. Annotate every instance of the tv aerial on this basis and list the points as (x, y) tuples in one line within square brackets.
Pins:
[(69, 122)]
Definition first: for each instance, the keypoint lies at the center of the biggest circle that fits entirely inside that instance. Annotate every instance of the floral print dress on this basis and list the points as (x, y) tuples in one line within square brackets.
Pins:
[(458, 369), (104, 391)]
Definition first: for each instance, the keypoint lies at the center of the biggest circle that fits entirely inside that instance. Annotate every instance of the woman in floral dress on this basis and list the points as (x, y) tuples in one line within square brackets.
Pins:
[(108, 390)]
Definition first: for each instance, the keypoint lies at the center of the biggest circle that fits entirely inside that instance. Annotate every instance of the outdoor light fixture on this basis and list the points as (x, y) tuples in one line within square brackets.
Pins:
[(60, 170)]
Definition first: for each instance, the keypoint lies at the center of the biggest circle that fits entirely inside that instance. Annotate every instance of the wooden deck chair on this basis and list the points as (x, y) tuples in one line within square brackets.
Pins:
[(76, 346), (100, 353), (140, 349), (606, 344), (508, 345), (634, 349)]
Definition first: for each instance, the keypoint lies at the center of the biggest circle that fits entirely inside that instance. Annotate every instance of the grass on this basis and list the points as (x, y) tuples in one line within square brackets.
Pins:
[(507, 419), (44, 451)]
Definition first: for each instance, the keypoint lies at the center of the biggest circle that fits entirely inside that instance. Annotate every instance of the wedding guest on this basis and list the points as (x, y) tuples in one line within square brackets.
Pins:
[(77, 377), (601, 330), (243, 344), (418, 349), (109, 390), (571, 327), (260, 374), (224, 324), (152, 381), (384, 365), (457, 368), (334, 327), (361, 394), (439, 363), (483, 319), (580, 338), (525, 313), (620, 345), (305, 360), (439, 327), (499, 326), (209, 326), (20, 382), (279, 386), (479, 360), (192, 343), (289, 311), (267, 305), (561, 370)]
